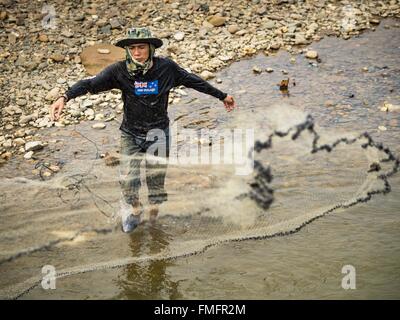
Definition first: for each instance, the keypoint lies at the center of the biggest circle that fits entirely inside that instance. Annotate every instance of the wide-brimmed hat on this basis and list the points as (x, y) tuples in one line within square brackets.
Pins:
[(138, 35)]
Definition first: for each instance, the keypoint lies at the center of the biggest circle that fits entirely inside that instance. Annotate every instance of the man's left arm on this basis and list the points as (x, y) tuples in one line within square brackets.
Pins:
[(191, 80)]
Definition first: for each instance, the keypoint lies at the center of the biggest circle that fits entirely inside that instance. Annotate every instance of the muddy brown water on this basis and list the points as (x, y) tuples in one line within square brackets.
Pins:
[(73, 229)]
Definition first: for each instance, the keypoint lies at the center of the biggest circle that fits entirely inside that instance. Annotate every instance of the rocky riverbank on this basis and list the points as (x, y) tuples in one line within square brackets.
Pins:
[(46, 48)]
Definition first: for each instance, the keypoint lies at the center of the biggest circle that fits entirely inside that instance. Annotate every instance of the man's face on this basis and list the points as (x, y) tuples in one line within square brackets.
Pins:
[(140, 51)]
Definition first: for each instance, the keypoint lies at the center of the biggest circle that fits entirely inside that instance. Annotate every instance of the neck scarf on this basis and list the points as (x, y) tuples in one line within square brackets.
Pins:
[(135, 67)]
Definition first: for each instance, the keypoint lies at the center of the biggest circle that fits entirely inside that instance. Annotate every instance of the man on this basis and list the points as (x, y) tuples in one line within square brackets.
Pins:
[(145, 81)]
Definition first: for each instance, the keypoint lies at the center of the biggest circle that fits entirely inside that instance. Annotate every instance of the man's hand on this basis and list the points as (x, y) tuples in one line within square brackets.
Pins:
[(56, 108), (229, 103)]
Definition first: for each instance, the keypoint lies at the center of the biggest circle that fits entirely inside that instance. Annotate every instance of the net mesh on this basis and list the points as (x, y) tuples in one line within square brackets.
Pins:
[(301, 173)]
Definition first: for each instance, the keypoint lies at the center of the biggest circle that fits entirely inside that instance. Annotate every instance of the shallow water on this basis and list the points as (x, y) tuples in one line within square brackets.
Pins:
[(203, 209)]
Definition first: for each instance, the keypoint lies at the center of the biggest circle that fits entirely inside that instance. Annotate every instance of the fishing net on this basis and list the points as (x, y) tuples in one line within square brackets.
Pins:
[(301, 173)]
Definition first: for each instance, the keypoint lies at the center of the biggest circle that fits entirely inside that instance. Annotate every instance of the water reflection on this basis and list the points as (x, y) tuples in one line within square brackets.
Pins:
[(148, 280)]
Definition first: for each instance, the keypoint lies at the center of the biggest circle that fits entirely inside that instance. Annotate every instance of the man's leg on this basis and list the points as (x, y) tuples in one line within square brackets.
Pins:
[(131, 157), (156, 169)]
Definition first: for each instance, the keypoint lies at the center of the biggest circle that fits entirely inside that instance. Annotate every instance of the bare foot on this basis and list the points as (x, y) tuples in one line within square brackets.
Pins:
[(153, 213), (137, 208)]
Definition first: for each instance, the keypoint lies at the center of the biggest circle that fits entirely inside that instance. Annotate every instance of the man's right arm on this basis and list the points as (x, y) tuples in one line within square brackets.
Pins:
[(105, 80)]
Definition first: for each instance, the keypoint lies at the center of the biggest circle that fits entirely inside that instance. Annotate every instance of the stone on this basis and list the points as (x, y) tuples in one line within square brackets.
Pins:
[(94, 62), (269, 70), (233, 28), (33, 146), (57, 57), (300, 39), (382, 128), (28, 155), (19, 142), (312, 54), (6, 155), (86, 104), (216, 20), (89, 112), (269, 24), (99, 117), (257, 70), (53, 94), (99, 126), (111, 159), (12, 38), (206, 75), (21, 102), (103, 51), (54, 168), (115, 23), (7, 143), (61, 81), (388, 107), (241, 32), (179, 36), (329, 103), (43, 38), (275, 45), (19, 133), (67, 33)]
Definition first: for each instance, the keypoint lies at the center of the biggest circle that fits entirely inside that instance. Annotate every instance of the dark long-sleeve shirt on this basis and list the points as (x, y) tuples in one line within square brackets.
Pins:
[(145, 97)]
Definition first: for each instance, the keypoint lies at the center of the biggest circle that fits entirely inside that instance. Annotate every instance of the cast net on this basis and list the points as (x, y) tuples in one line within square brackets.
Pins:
[(301, 173)]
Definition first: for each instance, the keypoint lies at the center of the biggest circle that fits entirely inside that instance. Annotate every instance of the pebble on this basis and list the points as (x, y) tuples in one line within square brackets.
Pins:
[(216, 20), (33, 146), (57, 57), (206, 75), (179, 36), (21, 102), (382, 128), (43, 38), (99, 126), (257, 70), (233, 28), (53, 94), (312, 54), (28, 155), (103, 51), (61, 81)]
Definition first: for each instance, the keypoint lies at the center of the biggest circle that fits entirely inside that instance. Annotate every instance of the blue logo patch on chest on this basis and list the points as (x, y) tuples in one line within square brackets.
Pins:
[(148, 87)]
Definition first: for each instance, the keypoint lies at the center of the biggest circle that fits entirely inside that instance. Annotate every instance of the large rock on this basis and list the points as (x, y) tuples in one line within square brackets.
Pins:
[(94, 62)]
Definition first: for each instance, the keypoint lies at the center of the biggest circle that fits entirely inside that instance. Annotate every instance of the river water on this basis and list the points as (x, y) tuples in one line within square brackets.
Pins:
[(210, 241)]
